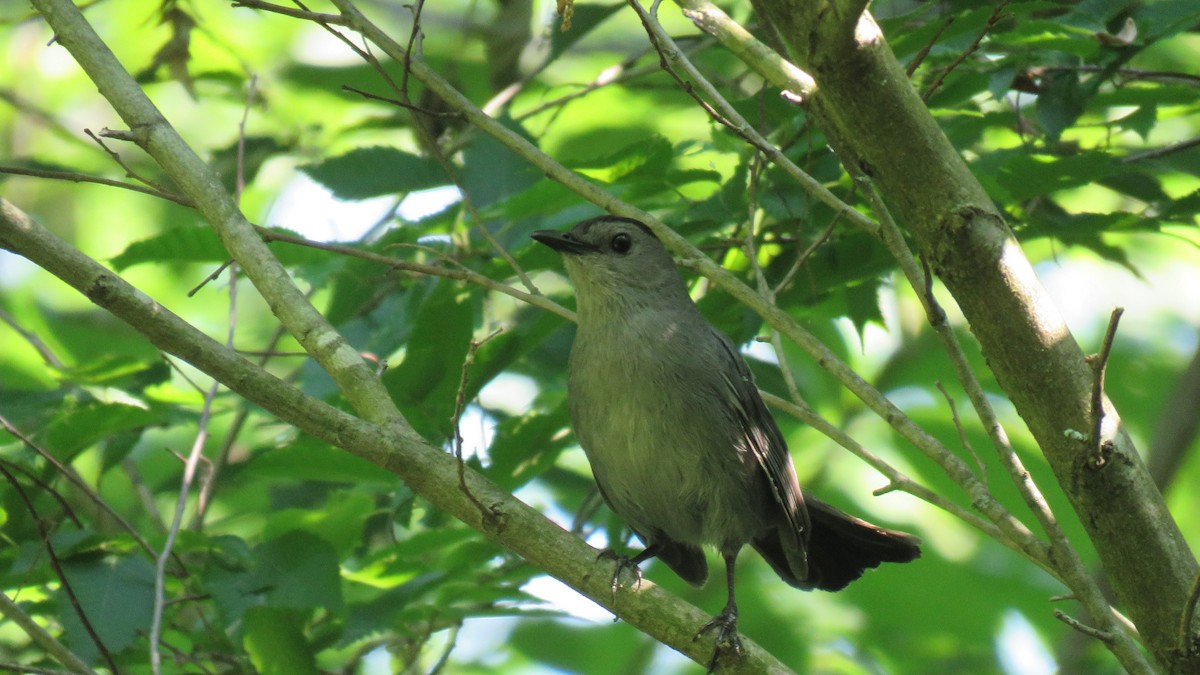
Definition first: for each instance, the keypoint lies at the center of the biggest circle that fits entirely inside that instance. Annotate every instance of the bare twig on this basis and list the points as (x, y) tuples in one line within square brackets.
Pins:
[(334, 19), (460, 273), (1156, 153), (42, 485), (798, 264), (722, 27), (665, 64), (129, 170), (74, 479), (995, 17), (240, 183), (32, 338), (42, 638), (212, 276), (1129, 74), (460, 402), (429, 143), (189, 473), (924, 51), (84, 178), (1103, 636), (1098, 363), (962, 433), (1017, 538), (56, 564), (400, 104)]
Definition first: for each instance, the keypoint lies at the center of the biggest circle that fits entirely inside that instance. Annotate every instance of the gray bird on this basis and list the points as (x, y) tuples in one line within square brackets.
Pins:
[(679, 440)]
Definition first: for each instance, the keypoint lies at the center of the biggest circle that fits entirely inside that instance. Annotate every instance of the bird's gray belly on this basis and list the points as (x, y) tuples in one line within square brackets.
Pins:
[(669, 468)]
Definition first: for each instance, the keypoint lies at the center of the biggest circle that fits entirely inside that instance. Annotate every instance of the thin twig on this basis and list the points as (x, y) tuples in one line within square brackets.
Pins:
[(622, 72), (460, 402), (430, 144), (740, 126), (798, 264), (1103, 636), (1189, 639), (760, 278), (129, 170), (1099, 363), (13, 612), (240, 183), (84, 178), (995, 17), (74, 479), (10, 667), (189, 473), (1157, 153), (213, 276), (42, 485), (962, 433), (1068, 566), (34, 341), (665, 63), (924, 51), (1018, 538), (400, 104), (56, 564), (1130, 74), (334, 19), (461, 273)]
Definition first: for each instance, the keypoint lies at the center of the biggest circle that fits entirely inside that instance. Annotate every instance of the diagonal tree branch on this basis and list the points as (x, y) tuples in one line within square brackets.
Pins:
[(425, 469), (202, 186), (885, 131)]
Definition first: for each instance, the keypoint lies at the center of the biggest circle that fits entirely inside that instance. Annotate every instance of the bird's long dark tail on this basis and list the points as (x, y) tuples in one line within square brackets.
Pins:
[(840, 548)]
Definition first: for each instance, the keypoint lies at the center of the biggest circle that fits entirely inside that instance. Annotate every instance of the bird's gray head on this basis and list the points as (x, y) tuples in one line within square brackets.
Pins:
[(617, 263)]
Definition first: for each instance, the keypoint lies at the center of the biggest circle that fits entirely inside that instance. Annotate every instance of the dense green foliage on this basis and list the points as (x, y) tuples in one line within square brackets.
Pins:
[(295, 557)]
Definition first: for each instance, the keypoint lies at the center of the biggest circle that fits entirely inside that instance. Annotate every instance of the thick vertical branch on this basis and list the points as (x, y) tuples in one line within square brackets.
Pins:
[(878, 124)]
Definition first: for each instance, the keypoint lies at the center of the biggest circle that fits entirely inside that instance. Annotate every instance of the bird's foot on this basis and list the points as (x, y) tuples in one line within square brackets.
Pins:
[(623, 563), (727, 640)]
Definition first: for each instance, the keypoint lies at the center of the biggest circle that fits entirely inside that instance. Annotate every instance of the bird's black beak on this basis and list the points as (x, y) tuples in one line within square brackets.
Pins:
[(563, 242)]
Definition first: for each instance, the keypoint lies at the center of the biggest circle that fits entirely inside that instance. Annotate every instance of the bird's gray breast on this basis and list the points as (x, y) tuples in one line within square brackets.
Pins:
[(651, 408)]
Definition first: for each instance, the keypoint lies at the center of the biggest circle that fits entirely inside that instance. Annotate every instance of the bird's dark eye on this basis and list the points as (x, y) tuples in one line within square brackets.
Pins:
[(621, 243)]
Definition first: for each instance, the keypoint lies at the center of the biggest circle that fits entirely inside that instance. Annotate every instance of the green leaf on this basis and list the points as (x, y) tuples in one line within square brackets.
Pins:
[(1026, 176), (376, 171), (119, 370), (1157, 20), (425, 384), (492, 172), (254, 150), (181, 244), (526, 446), (1060, 102), (1141, 121), (607, 650), (862, 302), (274, 638), (78, 427), (310, 459), (201, 245), (584, 19), (117, 595), (648, 157), (340, 522), (299, 570)]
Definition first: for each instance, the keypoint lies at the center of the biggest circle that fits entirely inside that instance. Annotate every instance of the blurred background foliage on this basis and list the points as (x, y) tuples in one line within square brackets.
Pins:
[(1081, 119)]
